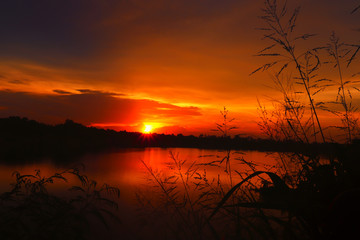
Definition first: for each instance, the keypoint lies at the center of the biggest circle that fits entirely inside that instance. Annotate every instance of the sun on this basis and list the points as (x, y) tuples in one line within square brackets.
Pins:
[(147, 129)]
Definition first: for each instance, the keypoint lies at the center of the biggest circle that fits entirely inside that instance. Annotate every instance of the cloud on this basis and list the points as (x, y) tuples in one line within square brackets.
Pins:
[(96, 92), (17, 81), (91, 57), (89, 107), (59, 91)]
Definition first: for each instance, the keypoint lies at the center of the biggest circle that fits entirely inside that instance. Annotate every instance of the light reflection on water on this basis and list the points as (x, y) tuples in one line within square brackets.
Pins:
[(125, 170)]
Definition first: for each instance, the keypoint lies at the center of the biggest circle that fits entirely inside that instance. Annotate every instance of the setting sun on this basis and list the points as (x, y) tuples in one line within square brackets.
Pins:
[(147, 129), (198, 119)]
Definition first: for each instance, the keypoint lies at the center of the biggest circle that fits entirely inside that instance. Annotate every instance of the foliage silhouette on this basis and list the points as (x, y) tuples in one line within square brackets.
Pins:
[(316, 181), (311, 194), (33, 210)]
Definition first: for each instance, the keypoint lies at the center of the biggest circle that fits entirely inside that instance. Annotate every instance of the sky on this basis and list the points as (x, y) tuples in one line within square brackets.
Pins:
[(172, 64)]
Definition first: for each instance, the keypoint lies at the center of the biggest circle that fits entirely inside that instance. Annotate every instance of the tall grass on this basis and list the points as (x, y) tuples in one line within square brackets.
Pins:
[(280, 30), (316, 180), (194, 205), (310, 65), (309, 196), (33, 209), (191, 205), (338, 52)]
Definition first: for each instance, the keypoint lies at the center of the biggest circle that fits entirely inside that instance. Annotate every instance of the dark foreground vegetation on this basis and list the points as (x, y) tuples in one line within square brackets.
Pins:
[(36, 208), (312, 193)]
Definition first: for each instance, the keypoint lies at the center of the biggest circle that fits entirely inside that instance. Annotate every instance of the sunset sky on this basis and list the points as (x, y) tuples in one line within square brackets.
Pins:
[(172, 64)]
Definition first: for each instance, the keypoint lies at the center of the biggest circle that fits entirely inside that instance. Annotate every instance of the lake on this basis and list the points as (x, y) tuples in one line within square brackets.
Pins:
[(125, 169)]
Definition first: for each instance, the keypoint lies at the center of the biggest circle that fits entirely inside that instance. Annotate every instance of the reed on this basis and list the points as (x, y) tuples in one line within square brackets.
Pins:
[(296, 200), (280, 30), (33, 210), (210, 208), (316, 180)]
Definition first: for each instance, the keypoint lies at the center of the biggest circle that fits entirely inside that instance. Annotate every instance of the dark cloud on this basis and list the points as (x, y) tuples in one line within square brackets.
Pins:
[(87, 108), (179, 51), (59, 91), (17, 81), (96, 92)]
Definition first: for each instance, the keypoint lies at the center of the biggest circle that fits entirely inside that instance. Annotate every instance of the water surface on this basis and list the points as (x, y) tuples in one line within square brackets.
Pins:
[(125, 170)]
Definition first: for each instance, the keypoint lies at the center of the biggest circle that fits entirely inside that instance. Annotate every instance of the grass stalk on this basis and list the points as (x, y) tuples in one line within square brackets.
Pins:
[(280, 36)]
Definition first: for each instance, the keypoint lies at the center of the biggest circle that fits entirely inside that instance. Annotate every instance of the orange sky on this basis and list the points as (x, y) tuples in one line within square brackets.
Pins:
[(125, 64)]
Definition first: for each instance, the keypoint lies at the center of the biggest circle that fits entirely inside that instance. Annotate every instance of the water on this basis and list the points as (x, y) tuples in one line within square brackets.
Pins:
[(125, 169)]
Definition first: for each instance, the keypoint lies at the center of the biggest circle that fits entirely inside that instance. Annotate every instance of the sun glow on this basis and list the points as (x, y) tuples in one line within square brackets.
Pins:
[(147, 129)]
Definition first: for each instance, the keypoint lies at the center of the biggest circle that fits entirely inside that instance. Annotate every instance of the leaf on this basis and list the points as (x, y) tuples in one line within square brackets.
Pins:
[(277, 181), (356, 89), (319, 103), (282, 68), (293, 18), (355, 74), (267, 48), (263, 29), (353, 56), (316, 92), (76, 188), (305, 36), (264, 67), (283, 11), (277, 40), (355, 9), (267, 54), (59, 176), (324, 80)]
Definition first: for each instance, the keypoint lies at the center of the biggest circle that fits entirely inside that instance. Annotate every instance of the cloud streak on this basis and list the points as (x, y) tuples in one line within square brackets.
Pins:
[(90, 107), (143, 58)]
